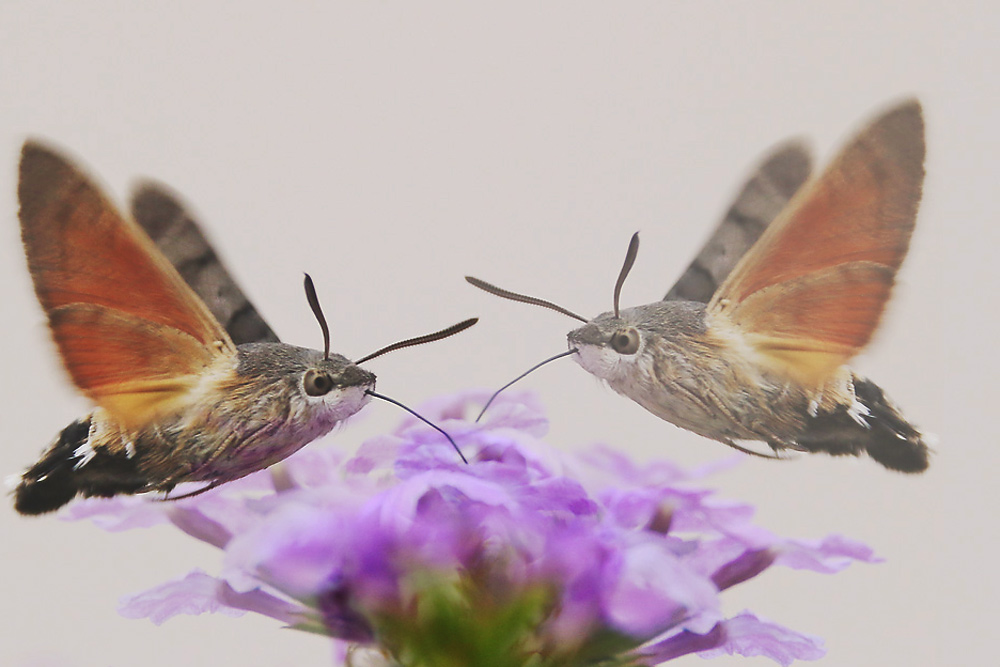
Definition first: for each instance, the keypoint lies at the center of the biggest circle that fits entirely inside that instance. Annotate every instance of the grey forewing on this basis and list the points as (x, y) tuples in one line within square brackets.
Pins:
[(759, 202), (181, 240)]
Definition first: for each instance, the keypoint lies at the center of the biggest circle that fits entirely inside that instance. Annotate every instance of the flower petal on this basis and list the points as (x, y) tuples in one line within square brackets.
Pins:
[(194, 594)]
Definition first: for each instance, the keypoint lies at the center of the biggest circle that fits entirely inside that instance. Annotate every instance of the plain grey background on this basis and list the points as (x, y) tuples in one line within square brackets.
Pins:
[(390, 149)]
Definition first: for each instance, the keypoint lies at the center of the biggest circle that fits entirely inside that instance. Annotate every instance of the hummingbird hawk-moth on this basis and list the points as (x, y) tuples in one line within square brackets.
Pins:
[(751, 343), (179, 396)]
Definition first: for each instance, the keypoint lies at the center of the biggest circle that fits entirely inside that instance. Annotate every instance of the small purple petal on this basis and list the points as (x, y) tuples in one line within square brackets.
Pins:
[(291, 549), (750, 636), (262, 602), (681, 644), (116, 514), (199, 526), (751, 563), (375, 453), (745, 635), (656, 591), (829, 555), (316, 465), (194, 594)]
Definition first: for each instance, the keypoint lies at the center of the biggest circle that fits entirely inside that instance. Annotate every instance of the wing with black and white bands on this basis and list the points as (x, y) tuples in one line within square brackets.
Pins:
[(760, 200), (180, 239)]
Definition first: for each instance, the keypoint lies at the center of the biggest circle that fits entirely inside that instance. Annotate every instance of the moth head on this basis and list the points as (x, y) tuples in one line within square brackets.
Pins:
[(343, 384), (609, 344), (334, 373), (337, 384), (332, 386)]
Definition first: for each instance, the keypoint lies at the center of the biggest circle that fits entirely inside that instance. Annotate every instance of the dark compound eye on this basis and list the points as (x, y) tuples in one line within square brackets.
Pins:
[(626, 341), (317, 383)]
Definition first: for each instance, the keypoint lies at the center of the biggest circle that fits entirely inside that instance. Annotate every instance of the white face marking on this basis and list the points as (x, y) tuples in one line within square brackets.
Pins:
[(615, 368), (601, 361), (342, 403), (333, 406)]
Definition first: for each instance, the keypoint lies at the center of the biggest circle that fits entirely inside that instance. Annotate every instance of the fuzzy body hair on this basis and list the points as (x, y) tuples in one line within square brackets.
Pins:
[(701, 375), (686, 374), (245, 414)]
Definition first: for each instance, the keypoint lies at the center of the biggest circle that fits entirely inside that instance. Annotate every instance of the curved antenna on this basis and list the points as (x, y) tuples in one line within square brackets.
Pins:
[(530, 370), (318, 312), (421, 418), (513, 296), (420, 340), (633, 250)]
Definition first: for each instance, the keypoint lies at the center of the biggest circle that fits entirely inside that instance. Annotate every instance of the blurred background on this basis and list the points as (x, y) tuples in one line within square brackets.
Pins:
[(390, 148)]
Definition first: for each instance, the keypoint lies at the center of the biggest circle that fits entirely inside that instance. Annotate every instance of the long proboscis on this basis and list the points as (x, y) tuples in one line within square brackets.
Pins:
[(421, 418), (633, 250), (521, 376), (523, 298), (420, 340)]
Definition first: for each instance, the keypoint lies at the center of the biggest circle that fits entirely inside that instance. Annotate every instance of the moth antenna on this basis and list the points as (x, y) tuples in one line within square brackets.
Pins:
[(633, 250), (513, 296), (318, 312), (420, 340), (422, 418), (530, 370)]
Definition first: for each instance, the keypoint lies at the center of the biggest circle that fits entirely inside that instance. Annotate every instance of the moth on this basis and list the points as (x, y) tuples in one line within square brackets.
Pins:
[(179, 397), (751, 344)]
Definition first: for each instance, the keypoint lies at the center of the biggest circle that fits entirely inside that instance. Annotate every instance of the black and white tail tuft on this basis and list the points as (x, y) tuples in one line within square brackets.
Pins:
[(69, 468), (51, 483), (877, 428)]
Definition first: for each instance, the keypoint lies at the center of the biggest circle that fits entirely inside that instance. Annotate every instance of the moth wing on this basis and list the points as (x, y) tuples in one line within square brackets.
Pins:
[(129, 364), (181, 240), (809, 294), (91, 267), (760, 200)]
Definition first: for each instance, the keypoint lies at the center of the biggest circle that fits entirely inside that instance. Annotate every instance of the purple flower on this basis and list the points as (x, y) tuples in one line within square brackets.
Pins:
[(525, 556)]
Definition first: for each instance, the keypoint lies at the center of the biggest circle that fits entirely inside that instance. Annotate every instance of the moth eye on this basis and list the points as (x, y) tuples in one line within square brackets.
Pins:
[(626, 342), (317, 383)]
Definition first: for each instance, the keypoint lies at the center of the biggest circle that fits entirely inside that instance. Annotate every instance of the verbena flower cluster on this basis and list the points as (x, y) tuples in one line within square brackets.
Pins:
[(524, 557)]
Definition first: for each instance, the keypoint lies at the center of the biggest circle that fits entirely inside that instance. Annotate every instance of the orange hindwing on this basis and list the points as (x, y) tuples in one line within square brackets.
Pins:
[(809, 294), (132, 334)]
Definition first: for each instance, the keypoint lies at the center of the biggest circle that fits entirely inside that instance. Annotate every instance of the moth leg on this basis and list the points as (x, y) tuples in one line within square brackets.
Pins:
[(775, 456), (196, 492)]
